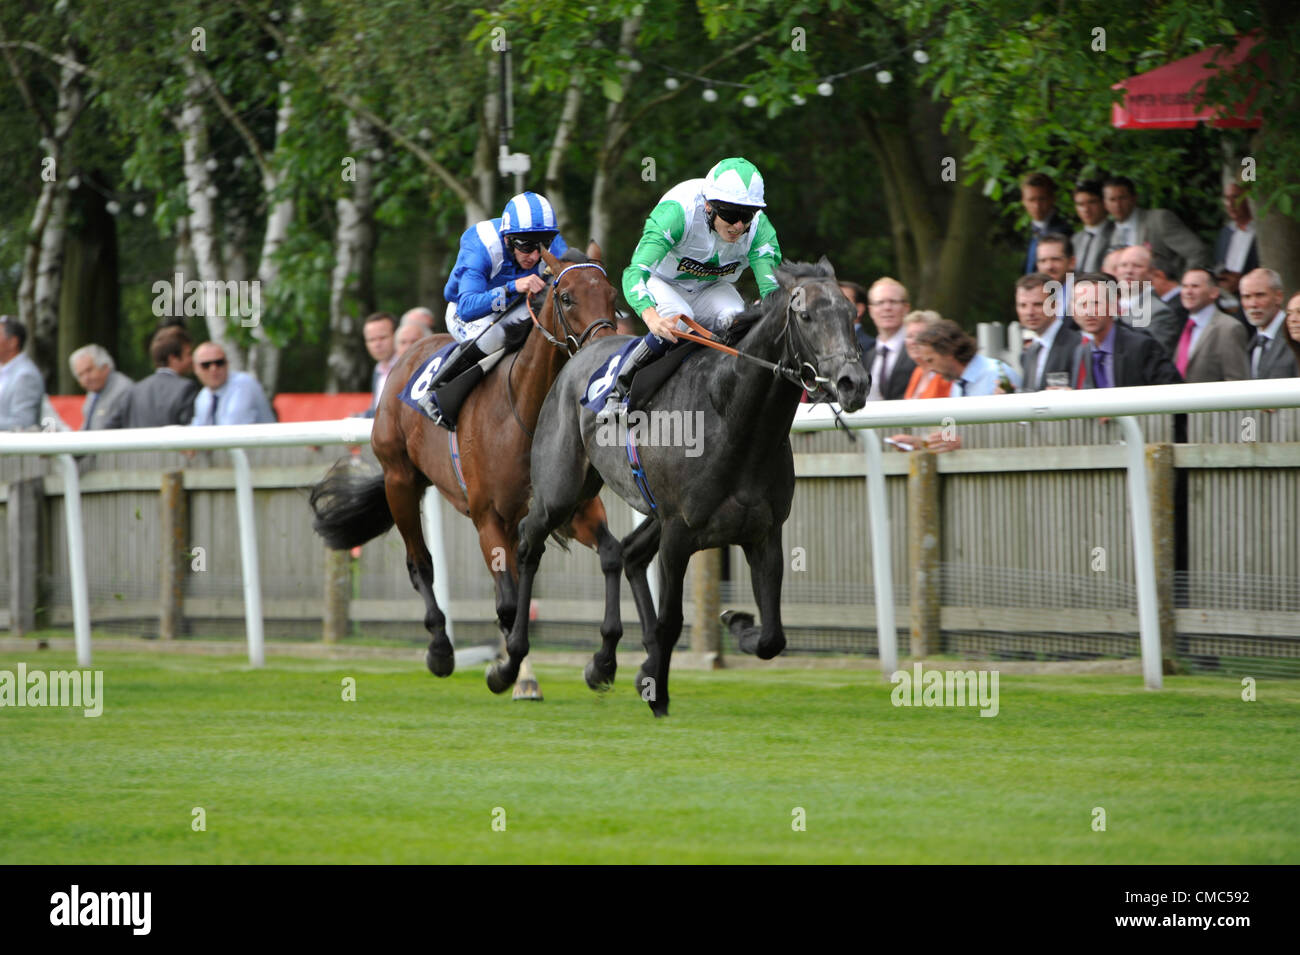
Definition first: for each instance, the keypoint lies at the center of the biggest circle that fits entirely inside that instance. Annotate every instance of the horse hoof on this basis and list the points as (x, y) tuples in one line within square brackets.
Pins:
[(737, 621), (648, 687), (598, 679), (527, 690), (440, 664), (748, 640), (496, 679), (770, 650)]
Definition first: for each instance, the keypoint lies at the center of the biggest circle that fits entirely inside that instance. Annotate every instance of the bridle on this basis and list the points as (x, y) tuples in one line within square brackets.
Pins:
[(804, 373), (571, 342)]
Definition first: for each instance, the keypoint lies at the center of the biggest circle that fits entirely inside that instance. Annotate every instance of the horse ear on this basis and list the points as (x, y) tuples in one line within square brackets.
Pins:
[(784, 278), (551, 261), (594, 253), (825, 263)]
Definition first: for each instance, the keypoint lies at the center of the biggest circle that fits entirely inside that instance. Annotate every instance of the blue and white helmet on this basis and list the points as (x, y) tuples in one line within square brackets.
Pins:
[(528, 212)]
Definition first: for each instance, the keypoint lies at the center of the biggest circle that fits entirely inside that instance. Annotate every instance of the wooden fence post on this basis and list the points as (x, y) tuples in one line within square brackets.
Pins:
[(26, 499), (338, 594), (1161, 481), (924, 549), (174, 527), (706, 628)]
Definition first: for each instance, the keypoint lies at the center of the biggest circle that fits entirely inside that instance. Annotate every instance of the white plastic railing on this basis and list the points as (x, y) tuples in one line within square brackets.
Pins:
[(1120, 403)]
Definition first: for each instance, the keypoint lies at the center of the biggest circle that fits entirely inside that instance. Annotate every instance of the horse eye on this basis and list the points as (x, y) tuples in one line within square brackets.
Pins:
[(566, 298)]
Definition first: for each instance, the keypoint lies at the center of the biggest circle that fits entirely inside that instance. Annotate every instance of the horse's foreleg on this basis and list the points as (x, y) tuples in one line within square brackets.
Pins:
[(403, 492), (766, 568), (502, 675), (589, 528), (652, 680)]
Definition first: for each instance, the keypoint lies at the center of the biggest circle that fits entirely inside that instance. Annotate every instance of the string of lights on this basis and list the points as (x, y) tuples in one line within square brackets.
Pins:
[(825, 84)]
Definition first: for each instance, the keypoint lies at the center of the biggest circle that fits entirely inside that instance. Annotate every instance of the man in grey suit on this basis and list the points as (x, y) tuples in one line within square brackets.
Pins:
[(1268, 353), (1212, 346), (1090, 243), (21, 386), (166, 396), (1158, 229), (93, 368)]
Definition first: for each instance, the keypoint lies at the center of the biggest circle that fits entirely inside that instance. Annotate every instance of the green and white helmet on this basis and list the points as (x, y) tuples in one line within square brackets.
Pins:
[(736, 181)]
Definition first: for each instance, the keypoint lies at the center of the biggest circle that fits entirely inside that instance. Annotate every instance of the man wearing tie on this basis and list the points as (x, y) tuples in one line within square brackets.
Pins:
[(1213, 345), (1113, 355), (1054, 343), (1091, 242), (1261, 298), (1038, 196), (227, 398), (887, 360), (93, 368)]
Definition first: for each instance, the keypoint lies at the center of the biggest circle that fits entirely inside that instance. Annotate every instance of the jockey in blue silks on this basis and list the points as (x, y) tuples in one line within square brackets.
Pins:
[(495, 272)]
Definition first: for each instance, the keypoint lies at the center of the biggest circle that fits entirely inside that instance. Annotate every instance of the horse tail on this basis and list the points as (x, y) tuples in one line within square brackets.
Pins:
[(350, 506)]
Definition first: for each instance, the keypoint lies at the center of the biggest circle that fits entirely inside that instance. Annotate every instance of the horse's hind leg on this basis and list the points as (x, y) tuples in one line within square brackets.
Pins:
[(652, 680), (404, 491), (589, 528), (766, 568)]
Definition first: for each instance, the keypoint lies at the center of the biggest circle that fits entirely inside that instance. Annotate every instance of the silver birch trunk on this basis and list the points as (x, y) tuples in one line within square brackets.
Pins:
[(614, 123), (354, 244), (264, 357), (201, 192), (559, 149)]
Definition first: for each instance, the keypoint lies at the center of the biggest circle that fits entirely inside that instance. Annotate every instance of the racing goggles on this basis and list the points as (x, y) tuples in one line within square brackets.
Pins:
[(733, 214)]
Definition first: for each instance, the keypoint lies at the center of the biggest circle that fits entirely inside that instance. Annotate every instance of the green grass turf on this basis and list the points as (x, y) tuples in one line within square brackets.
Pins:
[(411, 772)]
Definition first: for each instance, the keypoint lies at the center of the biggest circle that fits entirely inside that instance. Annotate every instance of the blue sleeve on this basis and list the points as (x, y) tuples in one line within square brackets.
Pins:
[(474, 297), (558, 246)]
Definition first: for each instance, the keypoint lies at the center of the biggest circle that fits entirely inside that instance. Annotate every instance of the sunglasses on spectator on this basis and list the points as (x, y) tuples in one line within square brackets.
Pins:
[(214, 363), (733, 214), (525, 245)]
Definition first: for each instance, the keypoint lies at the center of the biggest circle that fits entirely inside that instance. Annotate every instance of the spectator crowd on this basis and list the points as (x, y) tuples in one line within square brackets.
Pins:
[(1130, 297), (171, 395)]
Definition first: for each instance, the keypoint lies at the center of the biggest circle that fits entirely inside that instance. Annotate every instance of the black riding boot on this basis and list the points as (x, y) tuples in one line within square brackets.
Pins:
[(465, 357), (641, 356)]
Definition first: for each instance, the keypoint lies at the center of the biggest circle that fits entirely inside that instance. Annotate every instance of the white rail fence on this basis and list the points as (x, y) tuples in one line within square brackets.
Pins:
[(1119, 403)]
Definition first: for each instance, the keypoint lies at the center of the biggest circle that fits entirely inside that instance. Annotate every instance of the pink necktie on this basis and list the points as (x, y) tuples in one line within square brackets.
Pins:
[(1184, 348)]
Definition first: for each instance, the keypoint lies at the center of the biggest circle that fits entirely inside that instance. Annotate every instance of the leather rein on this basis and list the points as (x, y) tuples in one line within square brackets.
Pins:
[(571, 342)]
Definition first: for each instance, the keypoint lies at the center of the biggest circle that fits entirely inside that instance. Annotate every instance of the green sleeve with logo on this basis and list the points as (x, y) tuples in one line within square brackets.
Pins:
[(765, 255), (663, 230)]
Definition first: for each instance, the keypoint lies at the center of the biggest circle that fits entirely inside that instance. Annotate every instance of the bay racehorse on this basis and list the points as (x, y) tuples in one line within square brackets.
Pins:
[(495, 436), (735, 489)]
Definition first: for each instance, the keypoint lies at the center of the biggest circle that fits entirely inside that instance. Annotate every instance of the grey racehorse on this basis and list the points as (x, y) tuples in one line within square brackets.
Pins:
[(714, 445)]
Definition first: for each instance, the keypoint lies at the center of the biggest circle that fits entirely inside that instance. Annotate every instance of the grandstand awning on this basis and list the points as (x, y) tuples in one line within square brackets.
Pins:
[(1170, 96)]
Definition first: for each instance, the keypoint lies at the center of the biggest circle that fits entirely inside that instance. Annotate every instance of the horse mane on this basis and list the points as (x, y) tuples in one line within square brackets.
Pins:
[(775, 300)]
